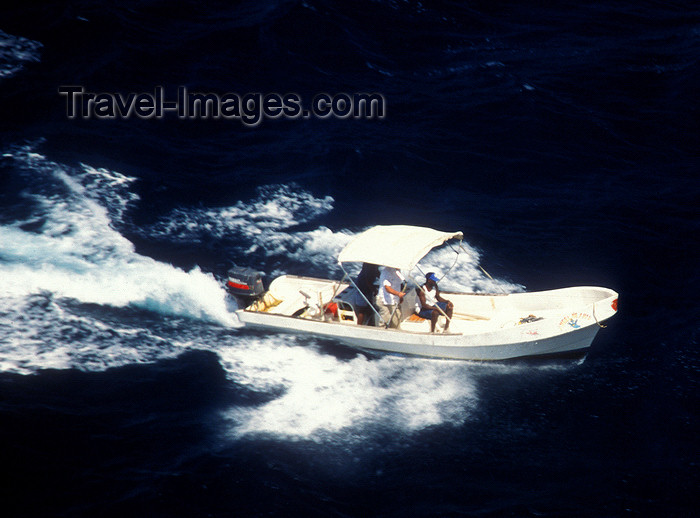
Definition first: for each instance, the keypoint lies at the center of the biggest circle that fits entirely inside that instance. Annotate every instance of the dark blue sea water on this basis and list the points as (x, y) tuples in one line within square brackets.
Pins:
[(563, 139)]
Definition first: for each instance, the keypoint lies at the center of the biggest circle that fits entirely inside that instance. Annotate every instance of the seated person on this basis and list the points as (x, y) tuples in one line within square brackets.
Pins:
[(431, 300)]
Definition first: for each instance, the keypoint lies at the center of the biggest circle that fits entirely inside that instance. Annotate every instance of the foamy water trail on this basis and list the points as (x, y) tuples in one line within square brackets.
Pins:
[(262, 226), (69, 247), (275, 208), (325, 399), (68, 272), (322, 396)]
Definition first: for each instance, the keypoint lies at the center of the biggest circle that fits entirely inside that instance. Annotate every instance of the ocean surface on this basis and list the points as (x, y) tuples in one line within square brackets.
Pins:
[(563, 140)]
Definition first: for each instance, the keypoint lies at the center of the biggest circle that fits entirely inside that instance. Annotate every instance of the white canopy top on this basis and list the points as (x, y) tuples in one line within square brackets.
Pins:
[(399, 246)]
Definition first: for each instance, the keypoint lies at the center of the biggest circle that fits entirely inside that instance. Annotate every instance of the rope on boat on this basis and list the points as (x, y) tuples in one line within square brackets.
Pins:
[(487, 273), (456, 258), (596, 318)]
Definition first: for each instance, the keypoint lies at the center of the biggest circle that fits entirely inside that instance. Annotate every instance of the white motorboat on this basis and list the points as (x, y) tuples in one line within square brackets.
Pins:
[(483, 326)]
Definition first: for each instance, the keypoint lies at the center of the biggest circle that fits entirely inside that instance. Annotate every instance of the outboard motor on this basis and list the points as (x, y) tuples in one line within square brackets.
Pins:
[(245, 284)]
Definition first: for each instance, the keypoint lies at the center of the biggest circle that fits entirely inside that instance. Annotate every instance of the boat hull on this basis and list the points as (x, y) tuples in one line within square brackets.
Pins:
[(483, 327), (429, 345)]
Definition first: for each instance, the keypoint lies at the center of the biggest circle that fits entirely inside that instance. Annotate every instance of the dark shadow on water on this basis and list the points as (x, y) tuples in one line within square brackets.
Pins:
[(92, 439)]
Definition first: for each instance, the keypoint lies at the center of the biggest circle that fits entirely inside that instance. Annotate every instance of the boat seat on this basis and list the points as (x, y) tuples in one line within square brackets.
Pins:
[(346, 313), (408, 305)]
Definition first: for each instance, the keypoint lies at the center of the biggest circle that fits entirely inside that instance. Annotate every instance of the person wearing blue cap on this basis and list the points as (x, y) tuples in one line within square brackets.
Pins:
[(431, 300)]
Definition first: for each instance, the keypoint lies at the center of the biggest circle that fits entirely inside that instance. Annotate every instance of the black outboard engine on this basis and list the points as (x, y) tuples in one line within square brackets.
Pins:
[(245, 284)]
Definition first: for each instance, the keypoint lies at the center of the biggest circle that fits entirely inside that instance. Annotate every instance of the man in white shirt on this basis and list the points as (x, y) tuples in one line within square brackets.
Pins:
[(390, 296)]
